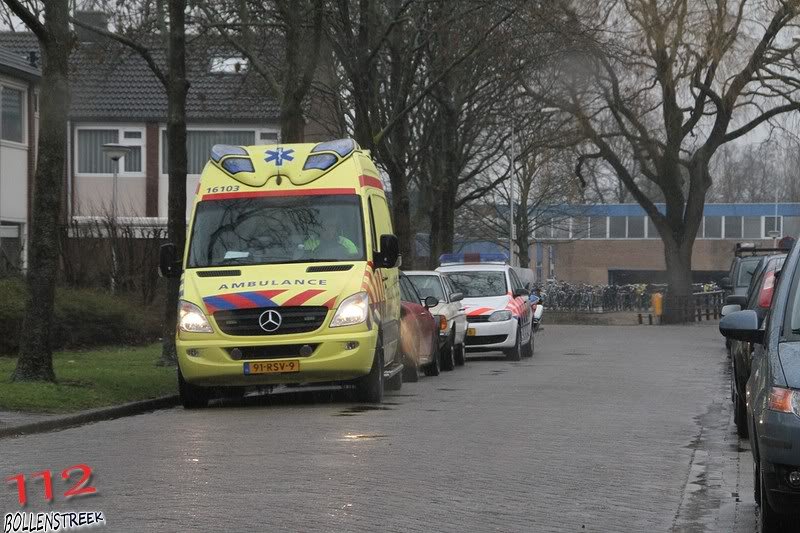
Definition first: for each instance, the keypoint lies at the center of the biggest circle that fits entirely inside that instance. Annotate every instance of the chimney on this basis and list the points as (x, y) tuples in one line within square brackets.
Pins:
[(97, 19)]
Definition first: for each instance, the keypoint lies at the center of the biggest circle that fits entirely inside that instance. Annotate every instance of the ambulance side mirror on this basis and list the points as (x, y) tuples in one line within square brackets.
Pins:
[(168, 264), (389, 252)]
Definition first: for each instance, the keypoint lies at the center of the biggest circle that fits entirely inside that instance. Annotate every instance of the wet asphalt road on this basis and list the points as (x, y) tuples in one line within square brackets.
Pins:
[(605, 429)]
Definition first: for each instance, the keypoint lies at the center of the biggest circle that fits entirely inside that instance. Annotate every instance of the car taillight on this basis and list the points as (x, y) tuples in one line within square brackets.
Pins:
[(765, 296)]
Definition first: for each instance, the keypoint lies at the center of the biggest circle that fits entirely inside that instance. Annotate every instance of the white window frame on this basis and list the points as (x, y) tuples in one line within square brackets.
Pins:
[(764, 225), (11, 84), (592, 220), (721, 229), (212, 127), (121, 129)]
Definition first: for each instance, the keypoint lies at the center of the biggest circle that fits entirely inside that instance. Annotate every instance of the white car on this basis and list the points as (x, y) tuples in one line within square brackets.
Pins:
[(453, 333), (499, 314)]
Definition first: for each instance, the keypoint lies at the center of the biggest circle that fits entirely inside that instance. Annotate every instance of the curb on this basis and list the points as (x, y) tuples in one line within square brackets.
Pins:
[(92, 415)]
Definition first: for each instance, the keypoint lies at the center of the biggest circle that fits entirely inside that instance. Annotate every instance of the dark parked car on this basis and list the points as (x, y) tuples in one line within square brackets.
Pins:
[(419, 332), (740, 275), (773, 398), (759, 299)]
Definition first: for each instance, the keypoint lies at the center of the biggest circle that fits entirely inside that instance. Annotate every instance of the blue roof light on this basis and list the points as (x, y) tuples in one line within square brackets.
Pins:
[(218, 151), (473, 258), (320, 161), (342, 147), (233, 165)]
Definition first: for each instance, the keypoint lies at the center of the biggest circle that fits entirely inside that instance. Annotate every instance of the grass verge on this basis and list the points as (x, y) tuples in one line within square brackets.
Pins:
[(88, 379)]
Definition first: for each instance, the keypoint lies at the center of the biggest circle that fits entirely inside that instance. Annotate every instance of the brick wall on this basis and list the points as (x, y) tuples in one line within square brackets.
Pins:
[(588, 261)]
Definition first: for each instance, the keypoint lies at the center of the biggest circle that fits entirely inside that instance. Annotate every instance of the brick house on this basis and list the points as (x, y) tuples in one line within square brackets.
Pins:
[(117, 99)]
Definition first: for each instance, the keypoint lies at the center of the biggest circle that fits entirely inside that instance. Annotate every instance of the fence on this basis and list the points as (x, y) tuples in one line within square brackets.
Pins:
[(706, 300), (597, 298)]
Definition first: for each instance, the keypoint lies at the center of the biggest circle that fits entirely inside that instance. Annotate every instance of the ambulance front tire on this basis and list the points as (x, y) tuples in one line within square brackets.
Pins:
[(192, 396), (369, 389)]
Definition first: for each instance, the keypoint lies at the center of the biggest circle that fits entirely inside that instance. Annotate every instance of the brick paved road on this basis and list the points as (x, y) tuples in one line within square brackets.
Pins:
[(606, 429)]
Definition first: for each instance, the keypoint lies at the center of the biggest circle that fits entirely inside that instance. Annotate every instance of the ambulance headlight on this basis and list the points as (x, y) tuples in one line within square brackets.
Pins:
[(500, 316), (353, 310), (191, 319)]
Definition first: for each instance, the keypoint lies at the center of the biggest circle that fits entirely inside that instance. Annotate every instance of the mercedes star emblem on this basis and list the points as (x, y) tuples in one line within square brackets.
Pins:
[(270, 320)]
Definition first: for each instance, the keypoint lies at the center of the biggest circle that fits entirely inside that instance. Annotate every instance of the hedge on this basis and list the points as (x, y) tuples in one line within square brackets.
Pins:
[(83, 318)]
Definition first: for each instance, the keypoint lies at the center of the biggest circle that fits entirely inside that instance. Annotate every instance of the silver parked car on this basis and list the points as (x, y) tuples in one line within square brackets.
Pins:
[(454, 319)]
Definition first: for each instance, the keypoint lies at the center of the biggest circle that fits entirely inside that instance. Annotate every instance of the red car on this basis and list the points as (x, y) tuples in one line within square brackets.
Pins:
[(419, 332)]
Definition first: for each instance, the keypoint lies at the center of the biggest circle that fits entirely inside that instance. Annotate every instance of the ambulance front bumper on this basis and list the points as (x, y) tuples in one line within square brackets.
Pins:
[(490, 336), (335, 356)]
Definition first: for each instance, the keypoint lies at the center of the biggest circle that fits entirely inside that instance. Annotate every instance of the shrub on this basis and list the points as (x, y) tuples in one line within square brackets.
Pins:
[(83, 318)]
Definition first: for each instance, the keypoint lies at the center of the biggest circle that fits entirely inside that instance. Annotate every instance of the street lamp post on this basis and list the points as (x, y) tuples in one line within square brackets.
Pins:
[(511, 202), (114, 152)]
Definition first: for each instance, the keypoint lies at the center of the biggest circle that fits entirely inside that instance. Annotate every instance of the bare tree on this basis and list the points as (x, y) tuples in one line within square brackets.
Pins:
[(253, 28), (173, 77), (666, 84), (385, 77), (56, 41)]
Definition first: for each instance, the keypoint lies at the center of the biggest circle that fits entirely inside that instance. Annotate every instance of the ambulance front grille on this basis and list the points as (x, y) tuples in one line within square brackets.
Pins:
[(245, 322)]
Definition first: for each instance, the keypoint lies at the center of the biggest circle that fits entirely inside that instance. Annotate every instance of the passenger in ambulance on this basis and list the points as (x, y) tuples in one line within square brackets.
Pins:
[(330, 244)]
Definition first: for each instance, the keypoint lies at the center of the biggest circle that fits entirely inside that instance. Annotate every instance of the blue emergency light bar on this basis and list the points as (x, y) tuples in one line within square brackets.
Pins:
[(476, 257), (218, 151)]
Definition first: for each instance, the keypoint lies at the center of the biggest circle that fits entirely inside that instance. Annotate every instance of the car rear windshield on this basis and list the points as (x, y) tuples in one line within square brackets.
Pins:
[(427, 285), (746, 268), (477, 284), (270, 230)]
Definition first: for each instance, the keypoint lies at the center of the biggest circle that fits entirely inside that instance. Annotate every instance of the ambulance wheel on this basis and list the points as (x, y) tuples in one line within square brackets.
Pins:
[(369, 389), (395, 382), (192, 396), (515, 353)]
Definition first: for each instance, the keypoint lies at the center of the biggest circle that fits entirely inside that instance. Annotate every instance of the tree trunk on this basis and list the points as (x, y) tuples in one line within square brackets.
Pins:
[(292, 119), (177, 89), (36, 357), (678, 304)]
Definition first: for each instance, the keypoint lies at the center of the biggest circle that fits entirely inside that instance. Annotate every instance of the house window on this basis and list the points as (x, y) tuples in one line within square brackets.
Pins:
[(772, 224), (636, 227), (616, 227), (597, 228), (752, 228), (713, 228), (12, 115), (92, 160), (228, 65), (652, 231), (199, 143), (268, 137), (733, 227)]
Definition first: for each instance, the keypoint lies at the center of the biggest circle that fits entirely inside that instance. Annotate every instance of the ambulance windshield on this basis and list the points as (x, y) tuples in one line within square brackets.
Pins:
[(270, 230)]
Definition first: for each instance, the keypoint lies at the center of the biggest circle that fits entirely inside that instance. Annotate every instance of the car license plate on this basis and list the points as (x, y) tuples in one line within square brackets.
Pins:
[(471, 332), (271, 367)]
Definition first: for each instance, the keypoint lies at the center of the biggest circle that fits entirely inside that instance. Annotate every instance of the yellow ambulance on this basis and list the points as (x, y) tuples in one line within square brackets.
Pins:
[(290, 273)]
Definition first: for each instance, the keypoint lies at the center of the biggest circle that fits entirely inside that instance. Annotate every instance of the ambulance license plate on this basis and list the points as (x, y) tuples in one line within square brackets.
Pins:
[(470, 332), (271, 367)]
